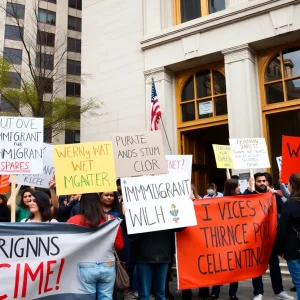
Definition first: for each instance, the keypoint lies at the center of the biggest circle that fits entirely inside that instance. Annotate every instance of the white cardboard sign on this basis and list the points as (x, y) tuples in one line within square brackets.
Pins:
[(180, 164), (40, 180), (158, 202), (249, 153), (279, 162), (21, 145)]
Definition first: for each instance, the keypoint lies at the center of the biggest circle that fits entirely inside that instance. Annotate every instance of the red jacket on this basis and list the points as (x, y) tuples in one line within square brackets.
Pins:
[(78, 220)]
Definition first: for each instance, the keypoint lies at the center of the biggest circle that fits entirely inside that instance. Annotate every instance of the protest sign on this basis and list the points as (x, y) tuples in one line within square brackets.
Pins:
[(243, 185), (40, 180), (42, 260), (279, 162), (232, 242), (4, 184), (139, 154), (158, 202), (290, 157), (223, 155), (21, 150), (249, 153), (84, 168), (180, 164)]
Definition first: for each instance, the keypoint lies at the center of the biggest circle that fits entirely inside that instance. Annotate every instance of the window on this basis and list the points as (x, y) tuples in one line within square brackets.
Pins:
[(73, 67), (45, 61), (15, 10), (77, 4), (72, 136), (46, 84), (73, 89), (282, 77), (50, 1), (203, 96), (13, 32), (45, 38), (192, 9), (13, 56), (9, 106), (74, 23), (14, 80), (47, 16), (73, 112), (74, 45)]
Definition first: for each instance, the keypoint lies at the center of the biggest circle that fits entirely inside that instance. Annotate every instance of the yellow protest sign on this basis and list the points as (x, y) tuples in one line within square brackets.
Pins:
[(84, 168), (223, 157)]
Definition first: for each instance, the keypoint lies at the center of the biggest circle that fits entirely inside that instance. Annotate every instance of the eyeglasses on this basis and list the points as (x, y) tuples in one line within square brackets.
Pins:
[(259, 181)]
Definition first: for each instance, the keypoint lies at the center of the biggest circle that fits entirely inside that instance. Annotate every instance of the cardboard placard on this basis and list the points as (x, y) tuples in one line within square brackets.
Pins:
[(249, 153), (180, 164), (279, 162), (139, 154), (21, 145), (223, 156), (84, 168), (40, 180), (157, 202)]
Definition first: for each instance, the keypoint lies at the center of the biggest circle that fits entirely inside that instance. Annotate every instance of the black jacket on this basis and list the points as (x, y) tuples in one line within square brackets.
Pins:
[(154, 247), (279, 202), (286, 242), (4, 214)]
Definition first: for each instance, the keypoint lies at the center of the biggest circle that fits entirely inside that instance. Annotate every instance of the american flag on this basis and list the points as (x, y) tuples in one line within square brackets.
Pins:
[(155, 111)]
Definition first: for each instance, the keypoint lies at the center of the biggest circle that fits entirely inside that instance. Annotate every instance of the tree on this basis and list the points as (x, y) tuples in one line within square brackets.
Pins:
[(39, 89)]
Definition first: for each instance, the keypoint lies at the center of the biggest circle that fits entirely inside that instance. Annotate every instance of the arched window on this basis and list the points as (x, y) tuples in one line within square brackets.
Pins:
[(203, 96), (282, 77), (187, 10)]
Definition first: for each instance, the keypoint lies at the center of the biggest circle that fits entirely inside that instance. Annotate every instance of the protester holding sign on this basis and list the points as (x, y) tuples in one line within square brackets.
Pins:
[(4, 211), (40, 209), (261, 186), (288, 234), (96, 278)]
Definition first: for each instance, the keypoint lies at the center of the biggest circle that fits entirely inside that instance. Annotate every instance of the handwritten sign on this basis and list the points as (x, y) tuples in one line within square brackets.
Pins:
[(180, 164), (279, 162), (40, 180), (158, 202), (249, 153), (232, 242), (223, 156), (139, 154), (21, 145), (84, 168), (290, 157), (4, 184)]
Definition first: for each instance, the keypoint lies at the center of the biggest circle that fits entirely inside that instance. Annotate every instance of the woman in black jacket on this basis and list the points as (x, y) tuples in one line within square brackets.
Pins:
[(288, 232), (4, 211)]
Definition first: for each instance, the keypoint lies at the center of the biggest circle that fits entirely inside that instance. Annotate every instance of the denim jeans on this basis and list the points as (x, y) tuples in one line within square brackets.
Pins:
[(97, 278), (135, 283), (233, 288), (148, 273), (294, 268), (275, 274)]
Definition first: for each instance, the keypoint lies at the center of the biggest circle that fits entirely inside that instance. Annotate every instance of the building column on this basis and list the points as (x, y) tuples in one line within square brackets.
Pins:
[(163, 79)]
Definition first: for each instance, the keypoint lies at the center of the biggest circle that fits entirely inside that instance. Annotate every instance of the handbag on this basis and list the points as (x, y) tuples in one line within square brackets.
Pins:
[(122, 282)]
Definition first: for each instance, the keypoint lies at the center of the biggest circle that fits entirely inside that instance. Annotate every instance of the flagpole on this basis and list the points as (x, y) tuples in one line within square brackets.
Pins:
[(162, 123)]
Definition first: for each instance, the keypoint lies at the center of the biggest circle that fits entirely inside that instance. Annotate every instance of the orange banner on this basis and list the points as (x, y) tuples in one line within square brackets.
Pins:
[(4, 184), (232, 242), (290, 157)]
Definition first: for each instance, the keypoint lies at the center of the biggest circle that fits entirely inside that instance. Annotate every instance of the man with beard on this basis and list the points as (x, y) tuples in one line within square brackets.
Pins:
[(261, 186)]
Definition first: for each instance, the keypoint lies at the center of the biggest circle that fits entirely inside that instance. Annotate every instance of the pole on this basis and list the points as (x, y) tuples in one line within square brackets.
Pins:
[(228, 174), (162, 123), (13, 199), (252, 176)]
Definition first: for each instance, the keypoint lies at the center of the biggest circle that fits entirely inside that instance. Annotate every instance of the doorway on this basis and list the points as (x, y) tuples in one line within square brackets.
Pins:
[(279, 124), (199, 143)]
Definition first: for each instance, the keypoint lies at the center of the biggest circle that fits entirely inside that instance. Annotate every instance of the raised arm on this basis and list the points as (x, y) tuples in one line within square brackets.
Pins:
[(11, 197), (54, 198)]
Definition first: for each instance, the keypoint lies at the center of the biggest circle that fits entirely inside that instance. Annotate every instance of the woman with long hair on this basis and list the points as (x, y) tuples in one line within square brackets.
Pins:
[(96, 277), (110, 204), (40, 209), (231, 188), (288, 231), (4, 211)]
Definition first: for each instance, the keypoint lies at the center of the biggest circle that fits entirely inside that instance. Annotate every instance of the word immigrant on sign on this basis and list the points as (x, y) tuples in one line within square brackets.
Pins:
[(21, 150), (249, 153), (41, 261), (139, 154), (158, 202), (84, 168), (232, 242)]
